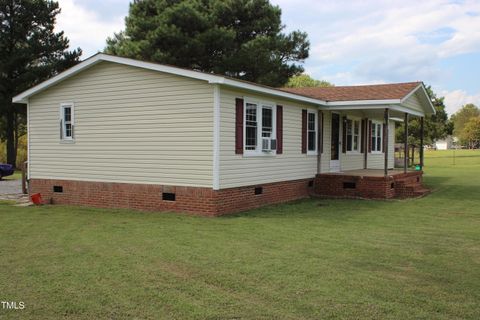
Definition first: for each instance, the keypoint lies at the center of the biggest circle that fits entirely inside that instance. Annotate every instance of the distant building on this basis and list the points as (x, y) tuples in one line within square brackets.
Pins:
[(445, 144)]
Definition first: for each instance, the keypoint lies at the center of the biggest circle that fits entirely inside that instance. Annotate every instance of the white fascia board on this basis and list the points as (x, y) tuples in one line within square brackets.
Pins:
[(357, 107), (407, 110), (213, 79), (23, 97), (395, 107), (266, 90), (162, 68), (426, 96), (362, 102)]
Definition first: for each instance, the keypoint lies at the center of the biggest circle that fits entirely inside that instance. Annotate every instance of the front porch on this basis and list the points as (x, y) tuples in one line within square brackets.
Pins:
[(370, 184)]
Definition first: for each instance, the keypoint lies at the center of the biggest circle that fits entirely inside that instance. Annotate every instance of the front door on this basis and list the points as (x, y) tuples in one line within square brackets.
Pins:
[(334, 146)]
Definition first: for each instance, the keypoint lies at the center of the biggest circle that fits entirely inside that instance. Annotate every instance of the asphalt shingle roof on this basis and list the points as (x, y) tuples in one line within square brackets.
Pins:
[(351, 93)]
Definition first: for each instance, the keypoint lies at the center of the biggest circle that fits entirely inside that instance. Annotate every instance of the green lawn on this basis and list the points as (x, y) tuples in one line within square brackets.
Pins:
[(16, 176), (313, 259)]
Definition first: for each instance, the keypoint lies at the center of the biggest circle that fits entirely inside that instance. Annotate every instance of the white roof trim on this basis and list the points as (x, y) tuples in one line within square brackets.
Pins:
[(214, 79), (433, 111), (395, 107), (362, 102)]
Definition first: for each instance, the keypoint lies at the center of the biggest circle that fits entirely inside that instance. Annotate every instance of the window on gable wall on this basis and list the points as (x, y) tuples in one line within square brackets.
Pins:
[(353, 135), (377, 137), (259, 140), (66, 121)]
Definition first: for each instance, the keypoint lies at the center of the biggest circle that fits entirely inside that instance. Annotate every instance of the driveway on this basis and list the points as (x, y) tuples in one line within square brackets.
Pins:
[(12, 190), (10, 187)]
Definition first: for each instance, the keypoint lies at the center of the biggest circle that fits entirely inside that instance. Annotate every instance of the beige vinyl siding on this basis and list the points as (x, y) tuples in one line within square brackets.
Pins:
[(131, 125), (377, 160), (327, 141), (413, 102), (239, 170), (351, 160)]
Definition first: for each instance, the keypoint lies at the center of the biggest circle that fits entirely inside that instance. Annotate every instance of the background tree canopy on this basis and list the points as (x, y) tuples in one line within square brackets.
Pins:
[(304, 80), (30, 52), (460, 120), (436, 126), (237, 38)]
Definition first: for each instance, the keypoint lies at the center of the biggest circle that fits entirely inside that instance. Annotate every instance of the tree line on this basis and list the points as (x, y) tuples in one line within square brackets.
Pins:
[(244, 39)]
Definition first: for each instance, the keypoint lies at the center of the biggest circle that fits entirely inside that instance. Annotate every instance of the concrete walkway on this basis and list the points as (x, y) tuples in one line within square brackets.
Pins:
[(12, 190)]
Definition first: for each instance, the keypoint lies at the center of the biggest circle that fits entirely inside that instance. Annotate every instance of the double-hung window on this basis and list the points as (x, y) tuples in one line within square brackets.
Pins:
[(377, 136), (353, 135), (260, 128), (312, 132), (66, 121)]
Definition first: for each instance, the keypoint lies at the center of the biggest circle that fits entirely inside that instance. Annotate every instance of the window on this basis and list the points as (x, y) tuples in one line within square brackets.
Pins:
[(66, 121), (353, 135), (250, 126), (259, 140), (377, 136), (312, 131)]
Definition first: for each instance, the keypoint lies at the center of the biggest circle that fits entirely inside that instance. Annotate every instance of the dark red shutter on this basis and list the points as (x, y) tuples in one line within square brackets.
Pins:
[(362, 134), (304, 131), (369, 136), (344, 135), (279, 129), (320, 131), (383, 136), (239, 126)]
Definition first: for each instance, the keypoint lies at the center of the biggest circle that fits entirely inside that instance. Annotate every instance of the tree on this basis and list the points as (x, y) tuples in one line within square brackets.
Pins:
[(304, 80), (461, 118), (30, 51), (237, 38), (471, 132), (436, 126)]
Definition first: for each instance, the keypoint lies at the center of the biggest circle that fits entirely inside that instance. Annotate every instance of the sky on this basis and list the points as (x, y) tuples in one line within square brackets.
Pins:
[(351, 42)]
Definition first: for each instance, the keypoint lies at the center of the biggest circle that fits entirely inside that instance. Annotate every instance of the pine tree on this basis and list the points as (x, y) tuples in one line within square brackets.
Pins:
[(238, 38), (30, 52)]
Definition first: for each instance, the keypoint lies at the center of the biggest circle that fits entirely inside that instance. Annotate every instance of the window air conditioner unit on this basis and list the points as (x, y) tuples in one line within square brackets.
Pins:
[(269, 145)]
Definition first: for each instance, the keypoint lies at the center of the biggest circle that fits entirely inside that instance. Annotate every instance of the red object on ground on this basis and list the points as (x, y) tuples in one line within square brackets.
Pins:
[(37, 198)]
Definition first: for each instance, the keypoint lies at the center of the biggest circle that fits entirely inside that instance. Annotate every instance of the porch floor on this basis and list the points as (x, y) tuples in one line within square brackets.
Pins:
[(368, 172)]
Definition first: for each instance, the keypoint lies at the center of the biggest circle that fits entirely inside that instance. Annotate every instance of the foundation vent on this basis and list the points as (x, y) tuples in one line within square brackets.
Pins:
[(168, 196), (349, 185)]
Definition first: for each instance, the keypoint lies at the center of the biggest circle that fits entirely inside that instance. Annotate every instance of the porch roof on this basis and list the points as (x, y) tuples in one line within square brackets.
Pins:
[(409, 97)]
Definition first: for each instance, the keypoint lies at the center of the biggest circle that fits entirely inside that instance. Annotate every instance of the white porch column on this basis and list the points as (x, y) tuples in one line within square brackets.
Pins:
[(385, 140)]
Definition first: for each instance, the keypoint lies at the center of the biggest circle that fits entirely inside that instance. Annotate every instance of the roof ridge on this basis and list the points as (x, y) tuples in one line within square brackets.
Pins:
[(357, 85)]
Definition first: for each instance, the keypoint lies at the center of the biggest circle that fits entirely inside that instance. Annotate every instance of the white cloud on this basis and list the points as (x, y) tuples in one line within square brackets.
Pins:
[(391, 40), (455, 99), (85, 28)]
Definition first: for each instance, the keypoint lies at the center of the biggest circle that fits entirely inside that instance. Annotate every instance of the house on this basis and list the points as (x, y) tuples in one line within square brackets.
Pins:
[(121, 133), (445, 144)]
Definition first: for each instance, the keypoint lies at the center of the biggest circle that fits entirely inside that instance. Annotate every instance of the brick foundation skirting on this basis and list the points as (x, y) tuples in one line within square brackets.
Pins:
[(146, 197)]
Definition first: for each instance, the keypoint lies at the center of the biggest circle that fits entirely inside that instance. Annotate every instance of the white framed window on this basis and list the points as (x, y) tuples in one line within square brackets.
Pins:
[(312, 135), (67, 118), (259, 128), (353, 135), (377, 136)]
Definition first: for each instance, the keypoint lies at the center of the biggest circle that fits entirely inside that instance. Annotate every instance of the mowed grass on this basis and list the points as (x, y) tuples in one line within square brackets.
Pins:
[(15, 176), (313, 259)]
